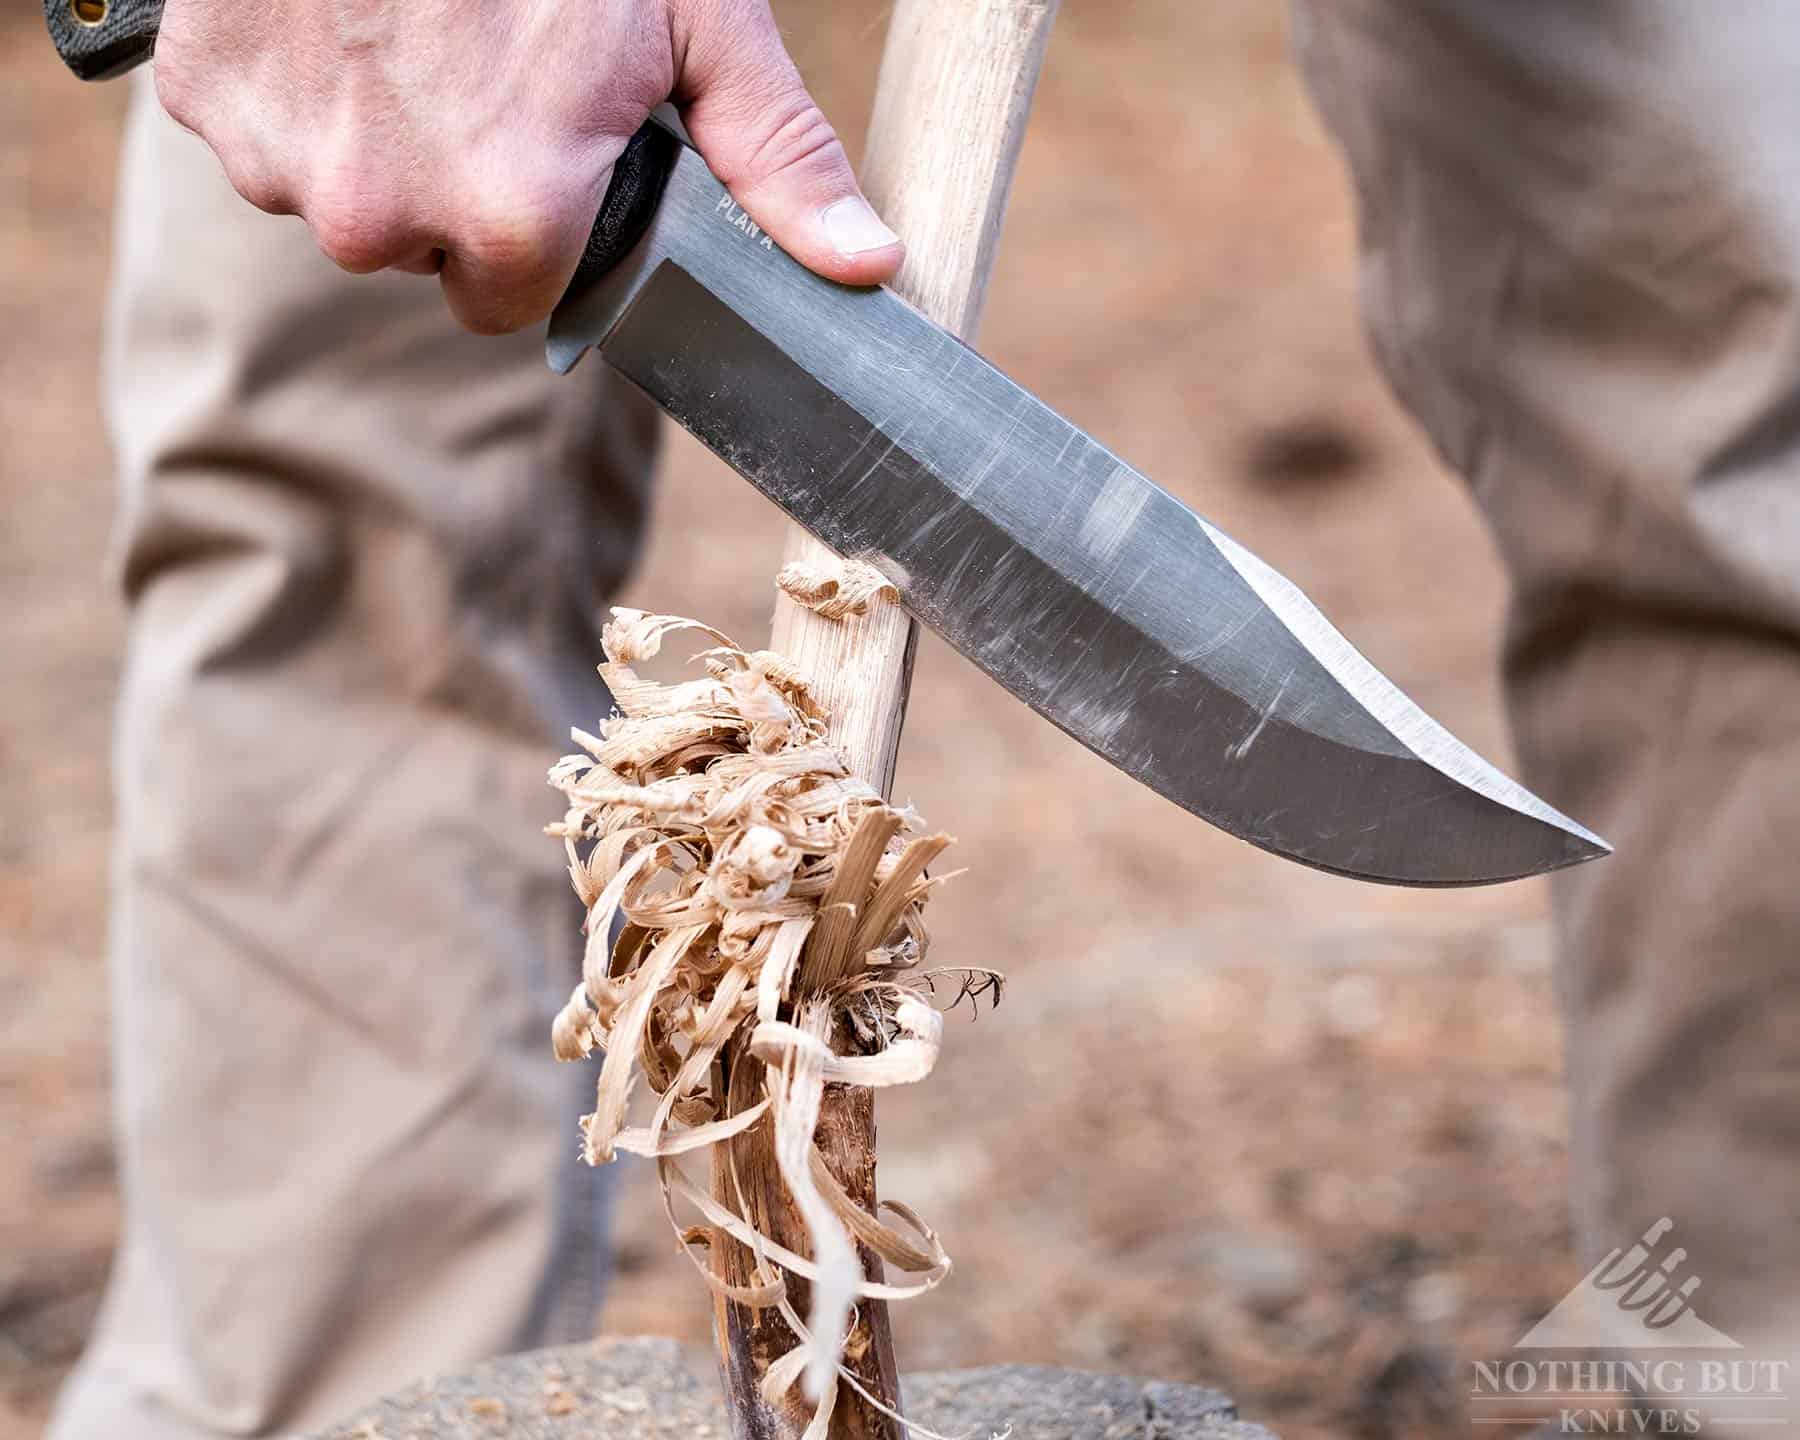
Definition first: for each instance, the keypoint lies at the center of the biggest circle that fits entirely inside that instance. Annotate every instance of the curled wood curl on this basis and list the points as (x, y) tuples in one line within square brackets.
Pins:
[(766, 901)]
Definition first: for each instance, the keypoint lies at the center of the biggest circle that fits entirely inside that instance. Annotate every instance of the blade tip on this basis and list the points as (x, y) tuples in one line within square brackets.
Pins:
[(1579, 846), (1586, 846)]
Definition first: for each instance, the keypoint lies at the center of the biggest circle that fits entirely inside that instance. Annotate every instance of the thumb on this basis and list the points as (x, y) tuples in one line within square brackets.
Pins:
[(750, 116)]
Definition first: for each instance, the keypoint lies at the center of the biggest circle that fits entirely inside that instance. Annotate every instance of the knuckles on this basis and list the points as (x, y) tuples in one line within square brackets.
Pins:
[(769, 129), (507, 241), (355, 218), (357, 238), (796, 138), (510, 255), (193, 106), (175, 90), (510, 214), (254, 180)]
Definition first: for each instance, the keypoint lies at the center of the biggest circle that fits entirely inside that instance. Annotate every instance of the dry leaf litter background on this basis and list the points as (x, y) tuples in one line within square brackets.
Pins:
[(1236, 1120)]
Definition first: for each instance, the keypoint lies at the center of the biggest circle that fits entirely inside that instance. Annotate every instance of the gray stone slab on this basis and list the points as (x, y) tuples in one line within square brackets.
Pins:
[(647, 1389), (636, 1389), (1043, 1403)]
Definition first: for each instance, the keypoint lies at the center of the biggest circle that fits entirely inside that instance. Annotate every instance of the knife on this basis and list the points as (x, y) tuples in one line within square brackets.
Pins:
[(1077, 583)]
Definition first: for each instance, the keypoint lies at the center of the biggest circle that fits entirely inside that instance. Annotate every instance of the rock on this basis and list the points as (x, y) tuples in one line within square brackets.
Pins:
[(1043, 1403), (610, 1390), (645, 1389)]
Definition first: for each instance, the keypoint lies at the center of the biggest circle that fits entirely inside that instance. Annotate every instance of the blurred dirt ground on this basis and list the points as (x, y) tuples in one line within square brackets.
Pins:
[(1235, 1120)]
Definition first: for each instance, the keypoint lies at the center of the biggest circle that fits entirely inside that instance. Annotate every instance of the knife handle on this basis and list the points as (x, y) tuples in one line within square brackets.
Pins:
[(638, 178), (99, 39)]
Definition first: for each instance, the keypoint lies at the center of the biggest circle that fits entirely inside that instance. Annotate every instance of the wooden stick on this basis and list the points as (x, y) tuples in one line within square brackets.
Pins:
[(950, 109), (956, 83)]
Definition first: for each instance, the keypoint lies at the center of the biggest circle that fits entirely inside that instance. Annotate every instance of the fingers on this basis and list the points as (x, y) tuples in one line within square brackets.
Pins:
[(508, 261), (430, 263), (504, 258), (745, 106)]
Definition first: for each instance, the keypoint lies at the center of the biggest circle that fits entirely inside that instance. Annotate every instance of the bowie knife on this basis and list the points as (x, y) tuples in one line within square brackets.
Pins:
[(1088, 591)]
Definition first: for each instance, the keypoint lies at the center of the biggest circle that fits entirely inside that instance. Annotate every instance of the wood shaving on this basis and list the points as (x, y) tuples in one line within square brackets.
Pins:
[(847, 589), (748, 898)]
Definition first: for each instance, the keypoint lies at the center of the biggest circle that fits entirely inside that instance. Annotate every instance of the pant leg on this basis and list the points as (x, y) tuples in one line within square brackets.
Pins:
[(1580, 240), (364, 555)]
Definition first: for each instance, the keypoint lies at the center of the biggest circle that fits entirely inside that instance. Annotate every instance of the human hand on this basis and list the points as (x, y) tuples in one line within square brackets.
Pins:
[(475, 138)]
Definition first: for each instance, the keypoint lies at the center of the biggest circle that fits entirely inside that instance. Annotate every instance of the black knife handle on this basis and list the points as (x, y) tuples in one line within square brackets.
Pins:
[(638, 179), (99, 39)]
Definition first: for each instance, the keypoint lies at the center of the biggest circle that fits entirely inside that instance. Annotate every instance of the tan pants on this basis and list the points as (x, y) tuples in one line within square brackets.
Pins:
[(1581, 245), (365, 554)]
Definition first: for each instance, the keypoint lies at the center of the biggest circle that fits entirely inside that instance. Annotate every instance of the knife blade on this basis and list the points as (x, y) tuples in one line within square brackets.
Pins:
[(1077, 583)]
